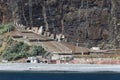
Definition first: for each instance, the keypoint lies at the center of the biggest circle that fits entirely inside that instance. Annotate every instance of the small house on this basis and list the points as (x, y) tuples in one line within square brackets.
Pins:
[(32, 60)]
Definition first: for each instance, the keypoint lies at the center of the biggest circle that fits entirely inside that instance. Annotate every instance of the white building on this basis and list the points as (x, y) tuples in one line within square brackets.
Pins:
[(32, 60), (95, 48)]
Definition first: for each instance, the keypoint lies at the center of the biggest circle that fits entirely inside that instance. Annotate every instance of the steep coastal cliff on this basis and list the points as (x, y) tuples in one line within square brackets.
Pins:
[(86, 22)]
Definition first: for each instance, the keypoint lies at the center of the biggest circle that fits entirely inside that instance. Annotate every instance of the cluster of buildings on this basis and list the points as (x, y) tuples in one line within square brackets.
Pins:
[(77, 53)]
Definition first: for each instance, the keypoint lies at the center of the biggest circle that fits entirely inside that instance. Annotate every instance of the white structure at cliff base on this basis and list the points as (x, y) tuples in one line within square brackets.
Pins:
[(40, 31)]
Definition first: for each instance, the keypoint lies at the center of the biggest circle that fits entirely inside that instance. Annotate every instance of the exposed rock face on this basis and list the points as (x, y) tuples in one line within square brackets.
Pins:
[(3, 13), (87, 22)]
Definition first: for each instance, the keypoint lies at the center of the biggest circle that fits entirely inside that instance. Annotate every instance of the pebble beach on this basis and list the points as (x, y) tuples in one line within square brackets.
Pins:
[(58, 67)]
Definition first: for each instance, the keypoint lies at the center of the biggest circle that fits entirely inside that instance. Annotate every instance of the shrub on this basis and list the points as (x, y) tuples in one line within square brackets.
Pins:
[(9, 40), (17, 51), (37, 50), (6, 28), (9, 27), (1, 26)]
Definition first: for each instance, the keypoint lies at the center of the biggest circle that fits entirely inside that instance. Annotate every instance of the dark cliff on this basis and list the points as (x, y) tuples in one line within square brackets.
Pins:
[(86, 22)]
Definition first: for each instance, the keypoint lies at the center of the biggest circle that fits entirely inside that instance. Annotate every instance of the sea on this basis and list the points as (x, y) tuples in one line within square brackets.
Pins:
[(27, 75)]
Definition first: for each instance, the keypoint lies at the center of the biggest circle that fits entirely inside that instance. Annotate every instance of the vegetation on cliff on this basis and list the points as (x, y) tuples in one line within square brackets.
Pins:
[(17, 50), (4, 34)]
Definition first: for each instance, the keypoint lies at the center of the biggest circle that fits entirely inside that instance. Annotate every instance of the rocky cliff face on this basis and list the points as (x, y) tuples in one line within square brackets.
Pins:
[(85, 22)]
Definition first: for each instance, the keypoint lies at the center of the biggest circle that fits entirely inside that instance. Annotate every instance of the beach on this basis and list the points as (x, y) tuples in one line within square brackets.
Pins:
[(59, 67)]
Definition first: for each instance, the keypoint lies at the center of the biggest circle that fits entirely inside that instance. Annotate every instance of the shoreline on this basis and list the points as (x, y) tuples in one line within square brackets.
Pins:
[(59, 67)]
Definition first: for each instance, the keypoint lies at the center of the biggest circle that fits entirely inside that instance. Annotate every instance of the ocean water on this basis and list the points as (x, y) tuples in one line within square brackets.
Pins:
[(58, 76)]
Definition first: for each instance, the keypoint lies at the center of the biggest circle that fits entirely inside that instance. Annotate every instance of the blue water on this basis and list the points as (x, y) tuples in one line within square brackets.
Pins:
[(58, 76)]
